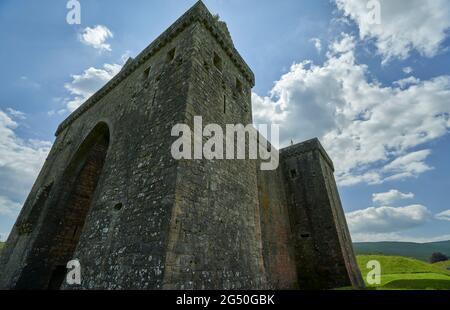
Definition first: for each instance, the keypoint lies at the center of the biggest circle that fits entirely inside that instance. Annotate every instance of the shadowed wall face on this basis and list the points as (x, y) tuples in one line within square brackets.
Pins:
[(64, 221), (320, 237), (78, 206)]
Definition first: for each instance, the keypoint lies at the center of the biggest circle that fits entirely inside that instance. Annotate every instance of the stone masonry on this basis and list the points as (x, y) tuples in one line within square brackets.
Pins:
[(111, 195)]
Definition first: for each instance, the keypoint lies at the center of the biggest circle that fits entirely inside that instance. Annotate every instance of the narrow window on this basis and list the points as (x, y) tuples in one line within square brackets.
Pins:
[(293, 173), (171, 55), (224, 104), (146, 73), (218, 62), (239, 86)]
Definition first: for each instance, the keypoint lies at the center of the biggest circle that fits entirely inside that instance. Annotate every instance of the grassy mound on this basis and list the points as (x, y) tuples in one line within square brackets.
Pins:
[(419, 284), (445, 265), (406, 273)]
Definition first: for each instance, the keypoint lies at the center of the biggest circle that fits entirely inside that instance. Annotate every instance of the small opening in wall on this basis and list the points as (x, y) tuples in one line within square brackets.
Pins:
[(75, 232), (218, 62), (239, 86), (171, 55), (305, 236), (293, 173), (224, 104), (146, 73), (206, 66), (118, 206)]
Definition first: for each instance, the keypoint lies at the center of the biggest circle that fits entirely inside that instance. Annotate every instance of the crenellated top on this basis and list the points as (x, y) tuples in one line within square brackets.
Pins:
[(198, 13)]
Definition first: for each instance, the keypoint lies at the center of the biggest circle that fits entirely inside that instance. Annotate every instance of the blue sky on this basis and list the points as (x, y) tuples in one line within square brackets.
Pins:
[(377, 95)]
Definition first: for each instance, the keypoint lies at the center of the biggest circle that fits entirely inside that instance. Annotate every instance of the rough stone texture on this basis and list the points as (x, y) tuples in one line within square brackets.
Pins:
[(323, 248), (111, 195)]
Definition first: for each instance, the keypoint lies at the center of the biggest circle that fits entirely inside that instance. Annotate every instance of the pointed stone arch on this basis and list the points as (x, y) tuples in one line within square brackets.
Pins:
[(65, 216)]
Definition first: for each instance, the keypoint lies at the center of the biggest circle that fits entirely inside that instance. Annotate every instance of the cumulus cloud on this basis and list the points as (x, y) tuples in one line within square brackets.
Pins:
[(410, 165), (20, 162), (363, 124), (96, 37), (405, 25), (317, 44), (346, 44), (444, 216), (86, 84), (390, 197), (403, 83), (387, 219)]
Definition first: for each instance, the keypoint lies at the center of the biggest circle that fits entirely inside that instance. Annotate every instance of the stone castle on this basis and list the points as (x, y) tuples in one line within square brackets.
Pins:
[(111, 195)]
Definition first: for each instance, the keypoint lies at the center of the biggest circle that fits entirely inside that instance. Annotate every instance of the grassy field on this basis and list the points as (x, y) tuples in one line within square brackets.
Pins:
[(399, 273), (445, 265)]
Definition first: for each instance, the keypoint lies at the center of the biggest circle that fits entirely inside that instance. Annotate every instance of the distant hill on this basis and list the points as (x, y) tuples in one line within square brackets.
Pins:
[(420, 251)]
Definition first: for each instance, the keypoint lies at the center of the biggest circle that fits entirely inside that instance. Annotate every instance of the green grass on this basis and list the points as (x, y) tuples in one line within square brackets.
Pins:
[(406, 273), (1, 247), (445, 265)]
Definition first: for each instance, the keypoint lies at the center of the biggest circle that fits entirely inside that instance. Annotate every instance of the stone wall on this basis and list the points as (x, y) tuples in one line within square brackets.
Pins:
[(215, 233), (118, 248), (322, 244)]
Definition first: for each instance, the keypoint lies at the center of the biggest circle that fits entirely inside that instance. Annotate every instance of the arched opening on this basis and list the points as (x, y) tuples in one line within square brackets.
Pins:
[(66, 214)]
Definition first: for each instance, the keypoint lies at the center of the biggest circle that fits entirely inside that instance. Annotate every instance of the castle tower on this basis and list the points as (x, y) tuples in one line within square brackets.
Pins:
[(320, 238), (111, 195)]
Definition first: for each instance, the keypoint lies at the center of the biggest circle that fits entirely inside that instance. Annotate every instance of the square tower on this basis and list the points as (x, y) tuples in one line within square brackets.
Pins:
[(112, 196)]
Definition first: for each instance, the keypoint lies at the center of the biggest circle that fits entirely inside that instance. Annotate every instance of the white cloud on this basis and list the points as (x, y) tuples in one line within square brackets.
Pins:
[(317, 44), (390, 197), (16, 114), (20, 162), (398, 237), (96, 37), (345, 44), (8, 207), (408, 70), (363, 125), (444, 216), (406, 25), (387, 219), (403, 83), (86, 84), (410, 165)]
